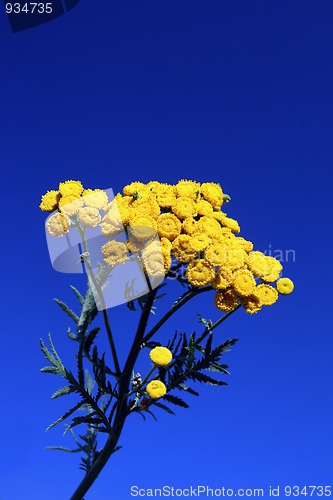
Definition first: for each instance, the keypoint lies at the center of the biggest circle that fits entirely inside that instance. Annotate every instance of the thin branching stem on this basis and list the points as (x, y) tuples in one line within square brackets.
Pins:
[(188, 295), (208, 330)]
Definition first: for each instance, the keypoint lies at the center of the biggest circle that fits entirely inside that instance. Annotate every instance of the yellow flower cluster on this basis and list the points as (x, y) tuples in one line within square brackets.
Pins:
[(70, 200), (201, 236), (192, 229)]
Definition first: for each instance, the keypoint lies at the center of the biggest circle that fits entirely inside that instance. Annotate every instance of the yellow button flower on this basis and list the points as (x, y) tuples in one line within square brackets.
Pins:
[(226, 300), (57, 224), (222, 279), (266, 294), (231, 224), (189, 189), (153, 260), (251, 304), (204, 208), (217, 255), (184, 207), (200, 272), (181, 248), (70, 188), (156, 389), (275, 268), (146, 205), (50, 201), (259, 264), (143, 226), (208, 225), (284, 286), (243, 244), (200, 241), (168, 226), (95, 198), (135, 187), (160, 356), (114, 252), (89, 217), (70, 204), (190, 226), (212, 192), (243, 282)]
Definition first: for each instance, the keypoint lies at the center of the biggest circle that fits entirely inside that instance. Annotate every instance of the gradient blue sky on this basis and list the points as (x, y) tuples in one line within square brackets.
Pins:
[(234, 92)]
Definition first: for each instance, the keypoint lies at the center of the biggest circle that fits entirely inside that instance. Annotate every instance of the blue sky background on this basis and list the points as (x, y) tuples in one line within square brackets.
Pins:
[(233, 92)]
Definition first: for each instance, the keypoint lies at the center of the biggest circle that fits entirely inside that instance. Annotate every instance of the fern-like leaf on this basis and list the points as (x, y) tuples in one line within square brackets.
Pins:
[(164, 407), (175, 400), (78, 294), (61, 448), (90, 339), (67, 310), (87, 419), (202, 377), (51, 369), (66, 415), (184, 387), (63, 391)]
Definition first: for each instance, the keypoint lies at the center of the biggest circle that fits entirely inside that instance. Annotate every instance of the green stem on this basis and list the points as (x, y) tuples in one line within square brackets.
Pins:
[(207, 331), (103, 305), (136, 389), (177, 305)]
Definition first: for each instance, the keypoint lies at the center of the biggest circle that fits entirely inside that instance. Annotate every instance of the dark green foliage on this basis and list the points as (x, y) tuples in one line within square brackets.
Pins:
[(63, 391), (88, 313), (78, 295), (89, 340), (190, 361), (164, 407), (67, 310), (57, 367), (66, 415), (175, 400)]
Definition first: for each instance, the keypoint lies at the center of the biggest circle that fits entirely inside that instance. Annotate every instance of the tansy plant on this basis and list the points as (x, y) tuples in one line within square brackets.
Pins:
[(168, 231)]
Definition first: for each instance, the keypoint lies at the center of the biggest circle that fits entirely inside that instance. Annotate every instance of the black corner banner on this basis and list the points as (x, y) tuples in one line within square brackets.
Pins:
[(24, 15)]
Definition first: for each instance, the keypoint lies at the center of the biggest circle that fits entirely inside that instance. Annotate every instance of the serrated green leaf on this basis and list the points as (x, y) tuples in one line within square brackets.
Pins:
[(56, 355), (87, 419), (151, 413), (78, 294), (88, 313), (72, 335), (208, 347), (67, 310), (61, 448), (202, 377), (47, 354), (63, 391), (217, 368), (90, 339), (184, 387), (171, 343), (66, 415), (80, 372), (175, 400), (90, 382), (164, 407), (51, 369)]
